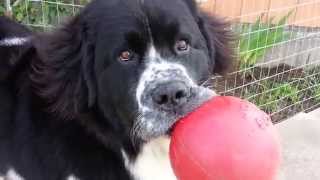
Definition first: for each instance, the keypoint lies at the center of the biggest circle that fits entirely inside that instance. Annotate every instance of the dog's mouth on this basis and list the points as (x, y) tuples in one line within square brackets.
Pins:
[(156, 123), (170, 130)]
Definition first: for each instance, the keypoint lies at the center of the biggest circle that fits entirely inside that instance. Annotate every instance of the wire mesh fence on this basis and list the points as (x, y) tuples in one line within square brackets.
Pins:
[(278, 54), (43, 14), (278, 62)]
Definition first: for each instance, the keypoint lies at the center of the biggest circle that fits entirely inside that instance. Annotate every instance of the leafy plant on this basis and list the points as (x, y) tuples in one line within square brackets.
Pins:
[(290, 95), (259, 37), (271, 94), (317, 93), (287, 90), (2, 10), (314, 82), (42, 13)]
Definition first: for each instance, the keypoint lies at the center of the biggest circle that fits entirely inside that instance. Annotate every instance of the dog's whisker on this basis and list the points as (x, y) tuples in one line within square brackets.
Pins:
[(205, 82), (136, 128)]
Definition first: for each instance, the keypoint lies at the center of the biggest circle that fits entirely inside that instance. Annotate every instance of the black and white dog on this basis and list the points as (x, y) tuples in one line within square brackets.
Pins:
[(96, 98)]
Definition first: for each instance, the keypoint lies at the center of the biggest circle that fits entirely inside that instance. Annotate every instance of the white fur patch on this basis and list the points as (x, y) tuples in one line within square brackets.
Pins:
[(153, 162), (145, 76), (14, 41), (201, 1), (72, 177), (156, 64), (152, 55), (13, 175)]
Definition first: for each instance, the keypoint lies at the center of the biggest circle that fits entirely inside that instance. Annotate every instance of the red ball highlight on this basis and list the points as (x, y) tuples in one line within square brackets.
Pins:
[(225, 139)]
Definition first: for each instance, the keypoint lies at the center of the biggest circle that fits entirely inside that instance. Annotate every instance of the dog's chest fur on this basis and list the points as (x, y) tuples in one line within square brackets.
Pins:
[(153, 162)]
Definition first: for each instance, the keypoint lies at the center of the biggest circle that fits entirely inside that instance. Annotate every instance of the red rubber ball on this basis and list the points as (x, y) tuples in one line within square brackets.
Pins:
[(227, 138)]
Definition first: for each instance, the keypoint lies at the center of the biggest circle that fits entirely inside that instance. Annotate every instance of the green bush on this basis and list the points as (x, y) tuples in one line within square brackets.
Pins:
[(257, 38), (2, 8), (271, 92), (275, 94), (42, 13)]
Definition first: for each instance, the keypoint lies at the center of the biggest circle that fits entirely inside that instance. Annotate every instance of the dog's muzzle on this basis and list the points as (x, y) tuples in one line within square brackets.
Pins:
[(170, 96), (169, 92), (165, 94)]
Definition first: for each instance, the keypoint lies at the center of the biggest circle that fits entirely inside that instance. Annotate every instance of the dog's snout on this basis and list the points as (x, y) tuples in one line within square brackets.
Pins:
[(170, 95)]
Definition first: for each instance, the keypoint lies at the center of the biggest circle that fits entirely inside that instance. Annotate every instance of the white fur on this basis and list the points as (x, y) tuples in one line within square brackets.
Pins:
[(156, 64), (14, 41), (153, 162), (153, 54), (72, 177), (201, 1), (13, 175)]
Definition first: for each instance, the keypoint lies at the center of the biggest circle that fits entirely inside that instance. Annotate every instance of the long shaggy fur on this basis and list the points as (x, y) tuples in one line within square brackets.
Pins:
[(66, 102), (63, 72)]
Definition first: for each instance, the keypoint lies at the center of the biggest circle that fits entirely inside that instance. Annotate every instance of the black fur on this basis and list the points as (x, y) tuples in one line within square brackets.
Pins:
[(11, 56), (66, 101)]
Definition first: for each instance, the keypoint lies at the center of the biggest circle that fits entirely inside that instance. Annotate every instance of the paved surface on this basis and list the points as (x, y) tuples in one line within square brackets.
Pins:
[(300, 138)]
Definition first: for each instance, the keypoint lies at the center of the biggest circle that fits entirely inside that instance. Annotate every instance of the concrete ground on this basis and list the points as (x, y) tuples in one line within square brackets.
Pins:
[(300, 138)]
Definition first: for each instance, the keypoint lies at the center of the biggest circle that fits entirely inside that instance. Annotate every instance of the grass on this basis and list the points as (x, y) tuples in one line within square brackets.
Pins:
[(271, 94), (299, 93)]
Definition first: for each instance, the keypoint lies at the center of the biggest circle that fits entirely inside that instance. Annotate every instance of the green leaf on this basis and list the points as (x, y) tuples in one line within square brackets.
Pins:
[(258, 38), (2, 10)]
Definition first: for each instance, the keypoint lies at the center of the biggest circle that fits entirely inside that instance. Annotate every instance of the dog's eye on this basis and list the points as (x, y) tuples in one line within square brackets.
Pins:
[(182, 45), (125, 56)]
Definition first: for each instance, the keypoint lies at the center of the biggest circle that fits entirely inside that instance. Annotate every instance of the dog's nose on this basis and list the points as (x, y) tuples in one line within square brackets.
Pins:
[(171, 95)]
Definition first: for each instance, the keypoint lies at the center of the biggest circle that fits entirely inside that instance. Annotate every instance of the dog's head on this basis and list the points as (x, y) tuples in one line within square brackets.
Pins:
[(139, 63)]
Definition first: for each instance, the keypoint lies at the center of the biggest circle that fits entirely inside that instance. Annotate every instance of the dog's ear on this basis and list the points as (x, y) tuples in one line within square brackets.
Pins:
[(15, 48), (220, 42), (13, 58), (63, 72), (218, 36)]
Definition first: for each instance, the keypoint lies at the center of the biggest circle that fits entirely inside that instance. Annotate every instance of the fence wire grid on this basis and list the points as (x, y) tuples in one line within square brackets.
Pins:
[(278, 62)]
